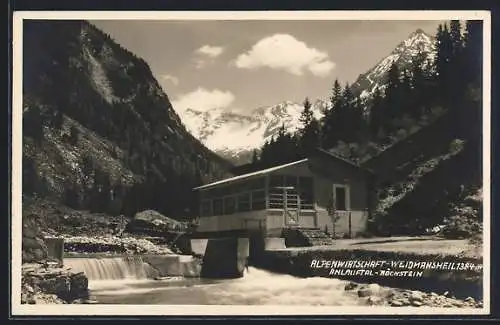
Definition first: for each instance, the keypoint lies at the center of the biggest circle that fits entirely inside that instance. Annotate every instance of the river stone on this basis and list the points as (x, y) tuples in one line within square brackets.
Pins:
[(405, 301), (416, 296), (374, 300), (42, 285), (369, 290), (350, 286), (39, 254), (29, 289), (416, 303), (396, 303)]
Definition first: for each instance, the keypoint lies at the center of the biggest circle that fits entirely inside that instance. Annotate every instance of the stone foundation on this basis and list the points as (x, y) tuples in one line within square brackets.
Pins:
[(222, 257)]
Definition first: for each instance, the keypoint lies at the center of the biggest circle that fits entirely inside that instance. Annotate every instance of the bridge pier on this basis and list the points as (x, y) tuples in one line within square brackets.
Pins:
[(222, 257)]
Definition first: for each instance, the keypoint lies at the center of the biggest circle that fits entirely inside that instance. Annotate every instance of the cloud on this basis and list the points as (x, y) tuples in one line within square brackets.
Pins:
[(170, 78), (285, 52), (210, 51), (206, 55), (202, 100)]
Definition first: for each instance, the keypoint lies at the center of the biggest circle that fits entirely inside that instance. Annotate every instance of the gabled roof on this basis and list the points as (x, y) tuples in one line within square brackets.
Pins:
[(333, 155), (345, 160), (272, 169), (249, 175)]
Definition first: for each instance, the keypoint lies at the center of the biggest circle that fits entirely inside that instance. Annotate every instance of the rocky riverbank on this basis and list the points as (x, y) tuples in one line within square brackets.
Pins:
[(376, 295), (51, 283), (128, 245)]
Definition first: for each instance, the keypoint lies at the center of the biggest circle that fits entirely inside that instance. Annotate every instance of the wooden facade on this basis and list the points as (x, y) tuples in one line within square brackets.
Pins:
[(322, 191)]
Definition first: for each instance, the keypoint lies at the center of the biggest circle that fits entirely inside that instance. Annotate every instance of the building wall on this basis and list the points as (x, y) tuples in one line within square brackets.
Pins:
[(326, 173), (242, 220), (274, 223)]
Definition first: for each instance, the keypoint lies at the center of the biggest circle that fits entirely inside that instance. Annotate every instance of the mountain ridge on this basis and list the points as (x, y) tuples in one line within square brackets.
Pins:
[(252, 130), (94, 116)]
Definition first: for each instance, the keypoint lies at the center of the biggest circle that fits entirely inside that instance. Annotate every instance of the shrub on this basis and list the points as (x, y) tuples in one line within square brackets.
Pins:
[(463, 222)]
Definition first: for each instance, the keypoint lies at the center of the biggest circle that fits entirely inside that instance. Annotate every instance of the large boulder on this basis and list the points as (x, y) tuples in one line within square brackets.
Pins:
[(151, 222), (42, 283), (33, 246)]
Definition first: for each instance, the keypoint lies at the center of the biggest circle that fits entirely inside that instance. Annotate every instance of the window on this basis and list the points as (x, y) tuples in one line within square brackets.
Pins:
[(229, 205), (244, 202), (292, 199), (303, 189), (258, 200), (290, 181), (217, 207), (306, 192), (257, 184), (205, 208), (276, 181), (276, 198), (340, 198)]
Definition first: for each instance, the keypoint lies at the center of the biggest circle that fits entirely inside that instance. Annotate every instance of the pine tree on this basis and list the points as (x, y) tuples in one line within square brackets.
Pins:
[(471, 107), (456, 38), (308, 136), (419, 88), (329, 130), (307, 115), (358, 121), (443, 65), (255, 158), (406, 95), (473, 54), (377, 113), (392, 98), (345, 116)]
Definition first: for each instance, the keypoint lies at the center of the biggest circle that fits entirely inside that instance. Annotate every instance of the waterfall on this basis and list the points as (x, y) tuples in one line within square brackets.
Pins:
[(112, 268)]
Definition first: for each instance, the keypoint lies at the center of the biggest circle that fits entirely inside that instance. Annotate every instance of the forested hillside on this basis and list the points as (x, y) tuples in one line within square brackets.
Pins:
[(421, 133), (98, 131)]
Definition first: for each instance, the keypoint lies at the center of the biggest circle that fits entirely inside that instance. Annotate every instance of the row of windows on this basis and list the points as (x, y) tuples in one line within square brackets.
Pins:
[(251, 196), (243, 202), (292, 192)]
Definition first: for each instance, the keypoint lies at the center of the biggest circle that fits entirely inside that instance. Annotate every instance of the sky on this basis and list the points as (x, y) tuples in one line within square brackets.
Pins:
[(243, 65)]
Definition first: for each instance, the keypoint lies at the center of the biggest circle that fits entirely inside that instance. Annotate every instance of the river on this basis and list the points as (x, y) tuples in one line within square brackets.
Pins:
[(257, 287), (117, 281)]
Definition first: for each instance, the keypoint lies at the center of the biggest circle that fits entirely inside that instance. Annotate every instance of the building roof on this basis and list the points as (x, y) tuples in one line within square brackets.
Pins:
[(249, 175), (333, 155), (271, 169)]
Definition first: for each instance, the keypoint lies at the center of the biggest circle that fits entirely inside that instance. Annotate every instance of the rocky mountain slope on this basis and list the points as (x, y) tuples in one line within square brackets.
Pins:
[(94, 116), (403, 55), (216, 127)]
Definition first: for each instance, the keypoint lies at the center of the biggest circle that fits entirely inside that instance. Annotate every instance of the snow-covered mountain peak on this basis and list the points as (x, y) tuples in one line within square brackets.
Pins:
[(403, 55), (235, 134)]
